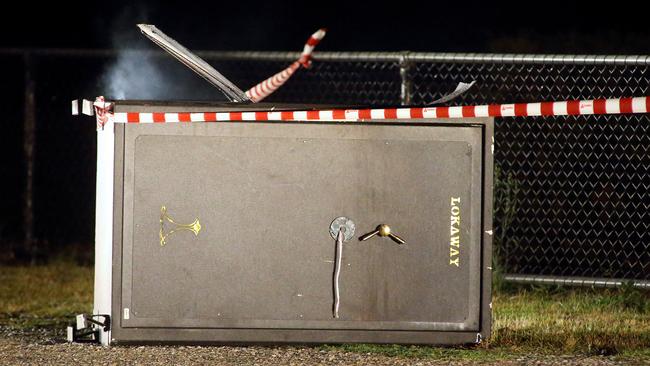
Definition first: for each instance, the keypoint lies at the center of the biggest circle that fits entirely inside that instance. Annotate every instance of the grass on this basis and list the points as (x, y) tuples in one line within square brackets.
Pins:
[(538, 320), (44, 296), (552, 321), (589, 320)]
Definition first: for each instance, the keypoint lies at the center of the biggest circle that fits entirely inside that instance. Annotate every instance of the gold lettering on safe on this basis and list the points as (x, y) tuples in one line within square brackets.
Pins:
[(454, 233)]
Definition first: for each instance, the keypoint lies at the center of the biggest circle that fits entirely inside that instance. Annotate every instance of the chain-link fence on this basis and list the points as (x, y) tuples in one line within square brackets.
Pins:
[(579, 208)]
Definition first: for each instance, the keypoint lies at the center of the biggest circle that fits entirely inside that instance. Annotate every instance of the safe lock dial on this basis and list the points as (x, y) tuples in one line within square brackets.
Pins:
[(383, 230)]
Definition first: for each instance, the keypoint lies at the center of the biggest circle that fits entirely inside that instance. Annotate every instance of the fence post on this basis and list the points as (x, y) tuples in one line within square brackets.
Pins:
[(405, 85), (29, 140)]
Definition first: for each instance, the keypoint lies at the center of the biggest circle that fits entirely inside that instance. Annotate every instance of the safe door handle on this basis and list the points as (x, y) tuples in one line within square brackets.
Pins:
[(383, 231)]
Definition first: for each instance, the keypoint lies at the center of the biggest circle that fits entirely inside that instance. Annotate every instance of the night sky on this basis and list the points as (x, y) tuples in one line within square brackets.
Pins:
[(438, 26)]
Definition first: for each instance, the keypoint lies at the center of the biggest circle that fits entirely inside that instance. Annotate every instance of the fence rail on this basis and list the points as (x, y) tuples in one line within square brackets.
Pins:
[(434, 57), (578, 203), (501, 58)]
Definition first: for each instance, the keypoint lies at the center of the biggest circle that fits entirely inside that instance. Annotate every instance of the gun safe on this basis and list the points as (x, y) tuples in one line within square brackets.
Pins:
[(305, 232)]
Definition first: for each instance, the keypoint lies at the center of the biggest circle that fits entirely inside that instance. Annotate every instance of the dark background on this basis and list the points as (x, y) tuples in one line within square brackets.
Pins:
[(549, 26), (64, 148)]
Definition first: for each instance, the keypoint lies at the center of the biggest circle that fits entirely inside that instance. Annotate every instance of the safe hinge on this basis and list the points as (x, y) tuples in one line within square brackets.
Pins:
[(88, 327)]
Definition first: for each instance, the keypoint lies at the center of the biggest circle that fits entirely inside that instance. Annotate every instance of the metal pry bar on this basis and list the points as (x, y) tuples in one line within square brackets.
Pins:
[(195, 63)]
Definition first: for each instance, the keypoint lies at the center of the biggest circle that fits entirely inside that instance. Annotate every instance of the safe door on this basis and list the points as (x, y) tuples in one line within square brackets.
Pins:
[(229, 233)]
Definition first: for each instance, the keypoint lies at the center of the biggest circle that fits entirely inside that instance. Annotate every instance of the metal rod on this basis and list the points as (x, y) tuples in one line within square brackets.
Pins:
[(575, 281), (337, 272), (405, 81)]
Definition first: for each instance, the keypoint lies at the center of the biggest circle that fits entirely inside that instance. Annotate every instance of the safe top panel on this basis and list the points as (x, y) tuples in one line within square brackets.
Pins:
[(228, 226)]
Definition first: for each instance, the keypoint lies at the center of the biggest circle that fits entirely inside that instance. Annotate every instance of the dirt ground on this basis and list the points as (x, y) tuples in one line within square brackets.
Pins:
[(48, 347)]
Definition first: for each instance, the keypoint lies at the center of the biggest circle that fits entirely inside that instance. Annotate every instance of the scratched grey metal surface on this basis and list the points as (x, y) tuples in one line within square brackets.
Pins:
[(266, 195), (266, 200)]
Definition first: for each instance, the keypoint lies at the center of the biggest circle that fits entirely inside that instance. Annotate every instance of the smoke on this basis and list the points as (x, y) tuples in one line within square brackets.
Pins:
[(136, 76), (143, 71)]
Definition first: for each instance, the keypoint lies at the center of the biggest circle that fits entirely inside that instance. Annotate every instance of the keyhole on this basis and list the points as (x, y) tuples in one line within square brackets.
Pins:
[(342, 225)]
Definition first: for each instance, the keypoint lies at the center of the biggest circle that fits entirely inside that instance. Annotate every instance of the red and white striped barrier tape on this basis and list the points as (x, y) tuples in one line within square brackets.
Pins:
[(312, 42), (102, 111), (565, 108), (268, 86)]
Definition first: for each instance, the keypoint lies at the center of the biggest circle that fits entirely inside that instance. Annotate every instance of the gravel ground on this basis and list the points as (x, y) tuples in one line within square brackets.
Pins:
[(44, 347)]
